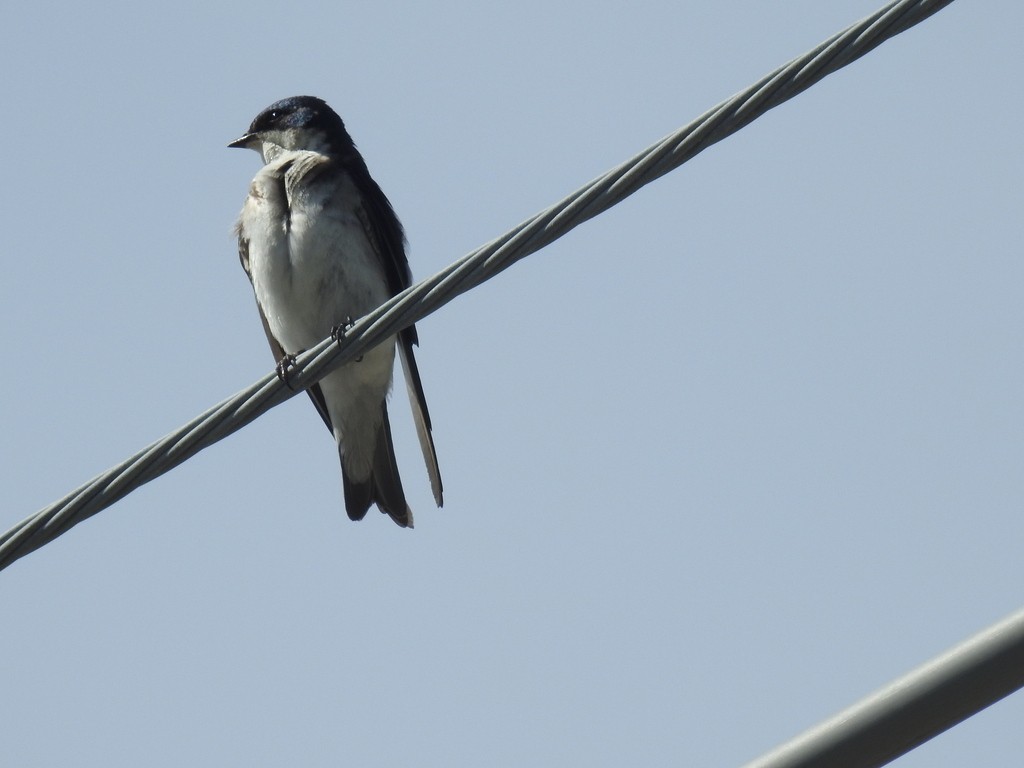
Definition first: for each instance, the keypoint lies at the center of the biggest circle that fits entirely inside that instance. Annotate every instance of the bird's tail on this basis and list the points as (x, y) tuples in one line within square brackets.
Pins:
[(384, 486)]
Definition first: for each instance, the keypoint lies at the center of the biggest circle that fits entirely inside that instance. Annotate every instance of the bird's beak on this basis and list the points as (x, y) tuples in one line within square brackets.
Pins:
[(248, 141)]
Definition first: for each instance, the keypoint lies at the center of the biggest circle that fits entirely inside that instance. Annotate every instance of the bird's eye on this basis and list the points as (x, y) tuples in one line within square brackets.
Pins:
[(274, 114)]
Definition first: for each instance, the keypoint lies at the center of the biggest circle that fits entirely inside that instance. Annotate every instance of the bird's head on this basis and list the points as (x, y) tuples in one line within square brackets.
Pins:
[(295, 123)]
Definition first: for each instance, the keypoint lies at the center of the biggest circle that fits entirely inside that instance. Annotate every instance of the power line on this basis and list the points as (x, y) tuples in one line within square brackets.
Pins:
[(921, 704), (418, 301), (901, 716)]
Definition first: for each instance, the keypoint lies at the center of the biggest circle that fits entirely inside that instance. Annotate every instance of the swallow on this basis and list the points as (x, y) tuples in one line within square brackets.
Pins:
[(322, 245)]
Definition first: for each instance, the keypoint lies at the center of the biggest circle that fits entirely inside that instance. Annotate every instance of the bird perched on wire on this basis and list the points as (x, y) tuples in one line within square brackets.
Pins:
[(322, 246)]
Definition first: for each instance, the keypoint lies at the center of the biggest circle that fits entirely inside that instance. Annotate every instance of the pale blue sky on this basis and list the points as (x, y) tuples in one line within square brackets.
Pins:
[(717, 464)]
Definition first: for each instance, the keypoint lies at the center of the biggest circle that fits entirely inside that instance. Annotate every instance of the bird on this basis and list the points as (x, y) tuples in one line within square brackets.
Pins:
[(322, 246)]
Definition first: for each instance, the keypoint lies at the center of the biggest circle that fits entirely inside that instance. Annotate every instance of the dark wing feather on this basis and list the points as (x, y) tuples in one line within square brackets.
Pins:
[(385, 233), (382, 225), (421, 417)]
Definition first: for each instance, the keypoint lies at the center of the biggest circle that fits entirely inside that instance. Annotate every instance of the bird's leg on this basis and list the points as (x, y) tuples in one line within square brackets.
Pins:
[(338, 332), (283, 365)]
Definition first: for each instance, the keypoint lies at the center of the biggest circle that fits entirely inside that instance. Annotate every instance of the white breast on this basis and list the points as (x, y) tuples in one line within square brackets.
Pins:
[(314, 268), (311, 263)]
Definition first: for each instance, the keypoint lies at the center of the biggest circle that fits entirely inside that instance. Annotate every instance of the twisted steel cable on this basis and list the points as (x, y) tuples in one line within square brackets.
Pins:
[(420, 300)]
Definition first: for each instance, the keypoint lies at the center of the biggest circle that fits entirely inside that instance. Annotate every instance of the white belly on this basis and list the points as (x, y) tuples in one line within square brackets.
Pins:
[(313, 268)]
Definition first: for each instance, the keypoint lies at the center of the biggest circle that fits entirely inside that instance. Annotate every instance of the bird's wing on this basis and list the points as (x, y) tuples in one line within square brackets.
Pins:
[(421, 417), (384, 232)]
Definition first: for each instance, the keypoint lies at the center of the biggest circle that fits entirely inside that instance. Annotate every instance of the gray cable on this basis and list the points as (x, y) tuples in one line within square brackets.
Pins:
[(425, 297), (921, 704)]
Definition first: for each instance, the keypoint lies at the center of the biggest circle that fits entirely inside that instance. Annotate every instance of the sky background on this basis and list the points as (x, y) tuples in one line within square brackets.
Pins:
[(717, 464)]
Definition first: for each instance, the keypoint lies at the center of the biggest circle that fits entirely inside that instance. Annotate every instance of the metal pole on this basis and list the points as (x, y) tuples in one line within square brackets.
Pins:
[(916, 707)]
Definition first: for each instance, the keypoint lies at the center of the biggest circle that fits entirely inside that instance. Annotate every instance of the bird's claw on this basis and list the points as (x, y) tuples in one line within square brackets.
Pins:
[(338, 332), (283, 366)]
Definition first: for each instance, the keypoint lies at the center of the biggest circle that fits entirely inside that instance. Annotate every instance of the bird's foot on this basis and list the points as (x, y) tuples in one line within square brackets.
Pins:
[(283, 366), (338, 332)]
